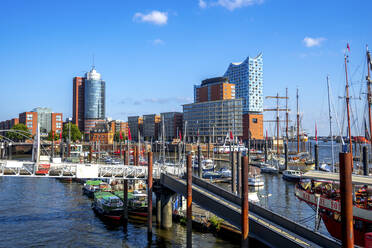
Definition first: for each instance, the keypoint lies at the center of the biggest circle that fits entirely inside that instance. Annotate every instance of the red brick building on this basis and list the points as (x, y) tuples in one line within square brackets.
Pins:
[(254, 123), (30, 120), (214, 89), (78, 102)]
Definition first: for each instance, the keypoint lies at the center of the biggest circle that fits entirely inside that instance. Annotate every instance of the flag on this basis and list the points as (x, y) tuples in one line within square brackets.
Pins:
[(266, 134), (316, 134), (231, 136), (60, 135), (129, 135), (121, 136), (52, 135), (180, 135), (348, 47)]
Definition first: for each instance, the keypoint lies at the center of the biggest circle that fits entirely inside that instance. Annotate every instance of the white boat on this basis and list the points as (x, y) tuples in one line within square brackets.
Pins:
[(253, 197), (207, 165), (324, 167), (292, 175), (270, 169), (225, 172), (255, 181)]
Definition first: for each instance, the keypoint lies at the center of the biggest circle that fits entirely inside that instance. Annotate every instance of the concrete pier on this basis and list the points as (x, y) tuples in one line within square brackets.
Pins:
[(158, 208), (166, 210)]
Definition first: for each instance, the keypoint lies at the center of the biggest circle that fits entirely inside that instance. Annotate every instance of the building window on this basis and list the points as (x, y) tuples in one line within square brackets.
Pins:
[(29, 117), (58, 118), (254, 120), (29, 124)]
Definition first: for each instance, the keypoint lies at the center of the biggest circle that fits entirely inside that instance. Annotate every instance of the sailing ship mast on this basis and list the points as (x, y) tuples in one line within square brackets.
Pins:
[(348, 107), (286, 113), (277, 97), (298, 124), (369, 96), (330, 124)]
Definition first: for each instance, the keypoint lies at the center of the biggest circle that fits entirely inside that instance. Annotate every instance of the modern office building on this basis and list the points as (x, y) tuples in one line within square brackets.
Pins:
[(213, 120), (135, 125), (88, 101), (151, 127), (248, 79), (173, 125), (78, 102), (214, 89), (94, 99)]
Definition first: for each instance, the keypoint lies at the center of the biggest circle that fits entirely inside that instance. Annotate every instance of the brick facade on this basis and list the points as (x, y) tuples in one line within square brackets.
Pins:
[(254, 123)]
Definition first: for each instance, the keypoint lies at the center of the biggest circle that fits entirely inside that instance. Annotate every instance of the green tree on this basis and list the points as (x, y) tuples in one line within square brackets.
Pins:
[(74, 130), (117, 136), (50, 136), (22, 133)]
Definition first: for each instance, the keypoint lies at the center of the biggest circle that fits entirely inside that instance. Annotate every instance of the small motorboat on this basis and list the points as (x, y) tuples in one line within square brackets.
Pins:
[(225, 172), (270, 169), (255, 181), (325, 167), (253, 197), (211, 175), (292, 175)]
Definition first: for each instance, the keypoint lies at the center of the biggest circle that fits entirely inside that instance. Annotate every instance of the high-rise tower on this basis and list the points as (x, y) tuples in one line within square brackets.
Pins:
[(248, 79), (88, 100), (94, 99)]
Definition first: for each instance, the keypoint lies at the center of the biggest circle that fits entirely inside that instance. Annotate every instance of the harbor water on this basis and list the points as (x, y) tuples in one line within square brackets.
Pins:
[(49, 212)]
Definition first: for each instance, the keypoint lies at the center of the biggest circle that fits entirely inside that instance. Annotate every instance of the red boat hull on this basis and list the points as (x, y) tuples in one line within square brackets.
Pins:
[(334, 228)]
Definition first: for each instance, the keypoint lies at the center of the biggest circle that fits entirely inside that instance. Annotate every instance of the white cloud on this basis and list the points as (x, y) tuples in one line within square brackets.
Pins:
[(155, 17), (157, 42), (311, 42), (235, 4), (202, 4)]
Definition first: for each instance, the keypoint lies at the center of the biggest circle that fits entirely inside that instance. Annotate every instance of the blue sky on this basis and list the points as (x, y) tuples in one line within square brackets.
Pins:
[(151, 53)]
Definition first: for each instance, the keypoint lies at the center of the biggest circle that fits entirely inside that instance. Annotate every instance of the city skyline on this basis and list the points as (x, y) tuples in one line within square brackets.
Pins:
[(149, 50)]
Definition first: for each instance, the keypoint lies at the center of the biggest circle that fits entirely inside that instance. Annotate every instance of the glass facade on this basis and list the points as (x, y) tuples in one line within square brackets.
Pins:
[(248, 78), (216, 118), (44, 118), (94, 96)]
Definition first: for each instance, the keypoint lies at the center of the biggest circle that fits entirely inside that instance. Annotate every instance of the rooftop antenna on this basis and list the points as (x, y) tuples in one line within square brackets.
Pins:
[(93, 66)]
